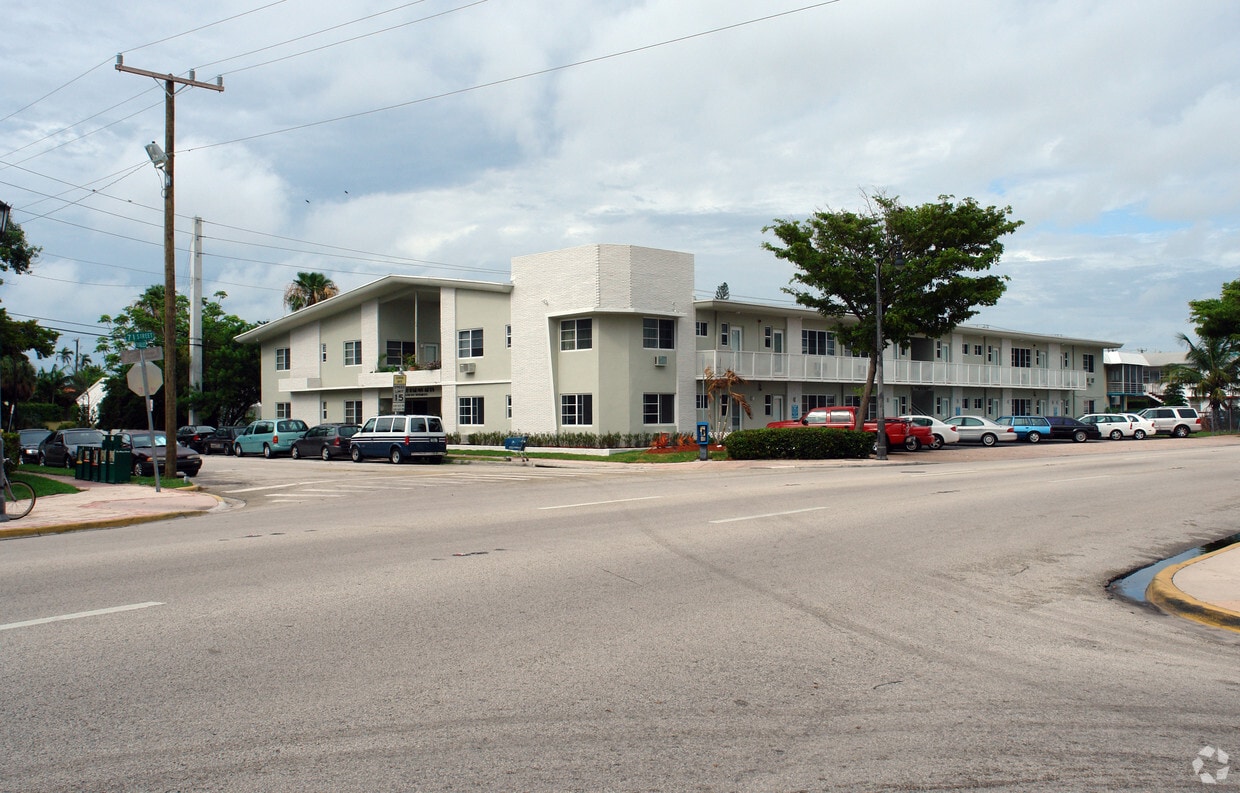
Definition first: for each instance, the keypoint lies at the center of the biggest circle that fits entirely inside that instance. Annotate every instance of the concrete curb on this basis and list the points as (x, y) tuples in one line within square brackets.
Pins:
[(1163, 593), (108, 523)]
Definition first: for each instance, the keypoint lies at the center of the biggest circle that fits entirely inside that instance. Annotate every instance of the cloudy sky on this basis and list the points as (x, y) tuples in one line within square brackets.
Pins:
[(444, 137)]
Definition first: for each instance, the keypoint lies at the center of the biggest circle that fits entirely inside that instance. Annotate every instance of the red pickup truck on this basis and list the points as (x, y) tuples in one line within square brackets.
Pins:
[(901, 434)]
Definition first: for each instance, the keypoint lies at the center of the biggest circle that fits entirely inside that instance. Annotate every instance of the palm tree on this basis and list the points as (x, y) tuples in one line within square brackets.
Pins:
[(308, 289), (17, 376), (726, 384), (1211, 370)]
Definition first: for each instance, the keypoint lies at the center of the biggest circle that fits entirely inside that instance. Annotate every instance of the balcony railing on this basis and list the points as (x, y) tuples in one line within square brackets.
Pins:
[(839, 369)]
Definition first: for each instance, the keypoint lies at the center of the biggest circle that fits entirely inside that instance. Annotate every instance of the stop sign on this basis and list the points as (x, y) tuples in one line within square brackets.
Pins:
[(154, 379)]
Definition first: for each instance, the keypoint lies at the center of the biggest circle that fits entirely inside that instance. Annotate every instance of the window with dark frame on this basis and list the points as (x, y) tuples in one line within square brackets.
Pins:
[(658, 408), (576, 334), (469, 343), (658, 334), (576, 409)]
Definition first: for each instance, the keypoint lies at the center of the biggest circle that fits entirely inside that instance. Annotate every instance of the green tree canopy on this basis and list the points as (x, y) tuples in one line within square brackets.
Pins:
[(1218, 318), (932, 261), (308, 289), (1211, 370), (19, 338), (230, 372)]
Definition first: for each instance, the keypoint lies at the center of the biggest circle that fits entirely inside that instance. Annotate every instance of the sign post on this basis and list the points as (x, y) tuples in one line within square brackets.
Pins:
[(398, 393), (140, 381)]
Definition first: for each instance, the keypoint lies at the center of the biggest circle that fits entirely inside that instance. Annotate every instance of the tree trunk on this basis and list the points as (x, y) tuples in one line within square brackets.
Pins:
[(866, 392)]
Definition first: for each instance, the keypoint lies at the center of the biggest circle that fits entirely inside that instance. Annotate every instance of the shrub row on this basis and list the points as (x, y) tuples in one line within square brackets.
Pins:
[(798, 443), (569, 440)]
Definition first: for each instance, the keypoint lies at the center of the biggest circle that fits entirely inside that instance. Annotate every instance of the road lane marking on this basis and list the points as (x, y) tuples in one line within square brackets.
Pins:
[(599, 503), (1082, 478), (79, 615), (767, 515), (276, 487)]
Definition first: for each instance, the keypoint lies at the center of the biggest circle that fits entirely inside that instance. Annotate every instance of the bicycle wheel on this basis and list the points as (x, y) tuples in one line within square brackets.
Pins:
[(18, 500)]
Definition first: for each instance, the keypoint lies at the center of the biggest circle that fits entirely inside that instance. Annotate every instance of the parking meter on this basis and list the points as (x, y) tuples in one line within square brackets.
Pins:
[(703, 439)]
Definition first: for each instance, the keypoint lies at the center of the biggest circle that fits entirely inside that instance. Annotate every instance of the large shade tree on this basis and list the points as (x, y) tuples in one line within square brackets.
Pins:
[(932, 260), (230, 373), (1218, 318), (308, 289), (17, 339)]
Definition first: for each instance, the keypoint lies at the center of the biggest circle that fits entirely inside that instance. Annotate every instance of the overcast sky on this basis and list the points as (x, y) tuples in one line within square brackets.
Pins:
[(445, 137)]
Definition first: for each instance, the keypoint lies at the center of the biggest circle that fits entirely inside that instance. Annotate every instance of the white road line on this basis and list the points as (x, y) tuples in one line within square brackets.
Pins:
[(1082, 478), (79, 615), (767, 515), (599, 503), (276, 487)]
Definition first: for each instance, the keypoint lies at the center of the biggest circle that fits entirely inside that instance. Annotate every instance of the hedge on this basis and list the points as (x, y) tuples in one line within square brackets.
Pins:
[(798, 443)]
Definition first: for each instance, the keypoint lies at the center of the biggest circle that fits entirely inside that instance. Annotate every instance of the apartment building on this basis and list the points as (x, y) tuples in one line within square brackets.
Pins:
[(609, 339)]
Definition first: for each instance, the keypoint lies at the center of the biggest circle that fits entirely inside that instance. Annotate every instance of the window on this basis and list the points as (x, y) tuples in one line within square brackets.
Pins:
[(282, 359), (469, 410), (977, 349), (1067, 360), (701, 401), (1022, 407), (576, 409), (977, 403), (992, 407), (658, 334), (658, 408), (990, 354), (811, 401), (1038, 359), (284, 410), (353, 411), (852, 400), (323, 411), (701, 329), (576, 334), (353, 353), (766, 337), (817, 342), (469, 343), (399, 353), (723, 334), (1022, 357), (940, 406), (964, 348), (508, 406), (323, 352), (1087, 362), (508, 336), (766, 405)]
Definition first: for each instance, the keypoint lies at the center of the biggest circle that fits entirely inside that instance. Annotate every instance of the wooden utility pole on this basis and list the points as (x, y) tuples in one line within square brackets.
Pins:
[(170, 266)]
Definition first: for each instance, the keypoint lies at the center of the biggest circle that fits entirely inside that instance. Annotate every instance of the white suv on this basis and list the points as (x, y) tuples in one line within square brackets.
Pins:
[(1178, 422)]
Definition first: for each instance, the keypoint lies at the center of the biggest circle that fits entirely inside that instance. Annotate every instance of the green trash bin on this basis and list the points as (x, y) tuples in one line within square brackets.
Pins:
[(122, 466), (96, 467), (81, 465)]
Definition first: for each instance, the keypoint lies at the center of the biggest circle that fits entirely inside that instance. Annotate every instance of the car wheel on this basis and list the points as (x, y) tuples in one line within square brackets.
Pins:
[(355, 454), (137, 469), (1035, 437), (394, 456), (326, 452), (912, 443), (1080, 436), (42, 458), (1180, 432), (989, 439), (1116, 435), (70, 460), (1139, 435), (237, 450), (267, 451), (937, 443), (296, 455)]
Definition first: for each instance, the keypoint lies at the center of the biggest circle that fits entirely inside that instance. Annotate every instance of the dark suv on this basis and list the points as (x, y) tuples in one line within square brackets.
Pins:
[(194, 436)]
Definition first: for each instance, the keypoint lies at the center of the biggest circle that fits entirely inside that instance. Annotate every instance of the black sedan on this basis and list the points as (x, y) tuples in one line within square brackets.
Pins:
[(30, 441), (61, 449), (139, 444), (1068, 428), (221, 441), (325, 440)]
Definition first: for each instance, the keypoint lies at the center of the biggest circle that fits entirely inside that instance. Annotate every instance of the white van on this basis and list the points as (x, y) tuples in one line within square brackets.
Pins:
[(400, 437)]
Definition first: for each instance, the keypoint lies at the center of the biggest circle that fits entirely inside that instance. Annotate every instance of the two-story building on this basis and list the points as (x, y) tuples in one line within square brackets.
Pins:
[(609, 339)]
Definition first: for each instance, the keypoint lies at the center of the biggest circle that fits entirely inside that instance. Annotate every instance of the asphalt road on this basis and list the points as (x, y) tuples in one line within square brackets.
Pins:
[(908, 626)]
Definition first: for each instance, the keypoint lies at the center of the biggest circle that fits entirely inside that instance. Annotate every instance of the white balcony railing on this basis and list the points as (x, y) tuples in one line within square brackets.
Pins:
[(837, 369)]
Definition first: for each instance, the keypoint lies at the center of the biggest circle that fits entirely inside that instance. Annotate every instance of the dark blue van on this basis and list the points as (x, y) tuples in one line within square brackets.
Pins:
[(400, 437)]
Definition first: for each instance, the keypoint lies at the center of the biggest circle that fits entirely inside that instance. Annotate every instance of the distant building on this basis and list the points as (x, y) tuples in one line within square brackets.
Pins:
[(1137, 380), (88, 401), (609, 339)]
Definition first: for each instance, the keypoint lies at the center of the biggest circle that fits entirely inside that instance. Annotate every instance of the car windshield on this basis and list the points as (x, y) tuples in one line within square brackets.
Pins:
[(142, 440), (33, 436), (84, 436)]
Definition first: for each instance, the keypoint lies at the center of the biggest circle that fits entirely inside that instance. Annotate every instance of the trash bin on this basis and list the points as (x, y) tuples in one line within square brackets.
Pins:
[(96, 460), (122, 466), (81, 465)]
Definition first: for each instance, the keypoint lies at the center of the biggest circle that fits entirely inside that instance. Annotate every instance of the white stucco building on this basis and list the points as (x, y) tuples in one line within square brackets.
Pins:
[(609, 339)]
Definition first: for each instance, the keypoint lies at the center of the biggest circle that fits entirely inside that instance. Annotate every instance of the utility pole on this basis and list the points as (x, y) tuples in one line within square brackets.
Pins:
[(170, 267), (195, 315)]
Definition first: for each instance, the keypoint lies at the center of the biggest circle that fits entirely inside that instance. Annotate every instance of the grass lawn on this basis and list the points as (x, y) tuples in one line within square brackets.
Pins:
[(30, 473), (42, 485)]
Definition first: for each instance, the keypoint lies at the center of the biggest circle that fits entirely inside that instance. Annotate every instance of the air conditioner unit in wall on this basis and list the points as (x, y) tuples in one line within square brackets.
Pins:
[(467, 368), (660, 360), (1089, 381)]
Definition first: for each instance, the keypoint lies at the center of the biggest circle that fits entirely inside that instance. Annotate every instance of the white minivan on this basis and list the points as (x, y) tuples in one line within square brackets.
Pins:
[(400, 437)]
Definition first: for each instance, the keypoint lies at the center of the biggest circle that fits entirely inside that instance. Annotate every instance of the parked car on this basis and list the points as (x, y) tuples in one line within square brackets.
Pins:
[(194, 435), (269, 437), (143, 445), (1028, 428), (940, 433), (221, 441), (1068, 428), (400, 437), (976, 429), (900, 434), (62, 448), (1178, 422), (324, 440), (1120, 425), (30, 440)]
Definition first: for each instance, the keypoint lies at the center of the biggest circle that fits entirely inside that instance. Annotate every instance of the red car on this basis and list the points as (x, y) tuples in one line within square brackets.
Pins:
[(900, 433)]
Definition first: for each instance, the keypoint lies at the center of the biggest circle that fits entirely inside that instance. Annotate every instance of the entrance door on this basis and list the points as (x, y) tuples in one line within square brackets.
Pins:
[(777, 347), (777, 407)]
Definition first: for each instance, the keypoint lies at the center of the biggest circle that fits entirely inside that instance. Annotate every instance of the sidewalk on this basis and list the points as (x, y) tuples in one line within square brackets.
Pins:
[(1205, 589), (101, 506)]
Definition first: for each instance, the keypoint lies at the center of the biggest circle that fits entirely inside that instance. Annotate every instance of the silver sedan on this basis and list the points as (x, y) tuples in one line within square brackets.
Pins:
[(975, 429)]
